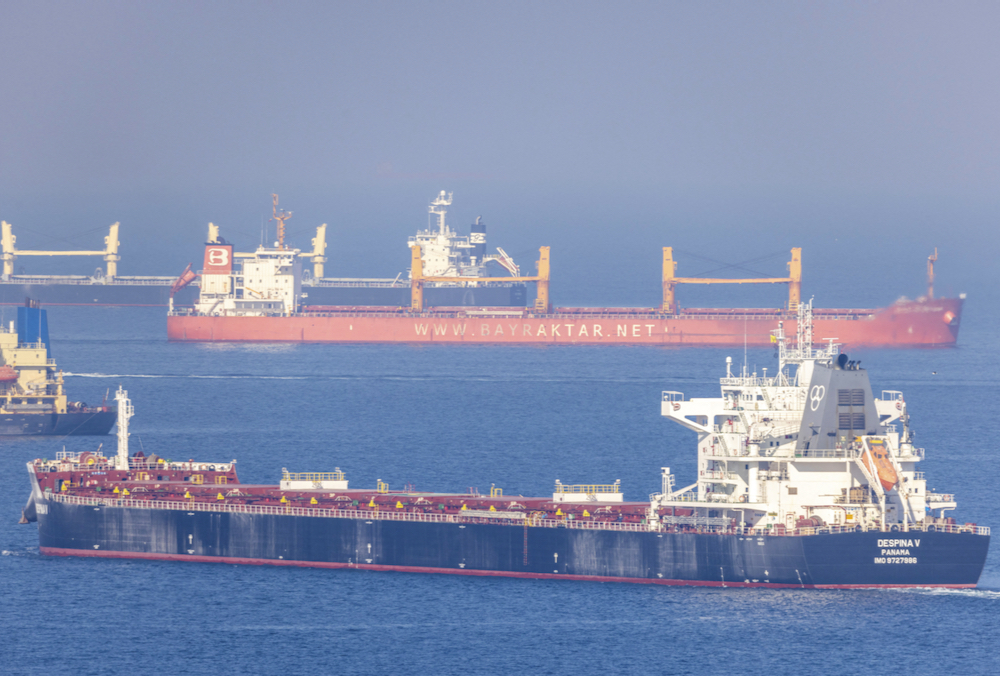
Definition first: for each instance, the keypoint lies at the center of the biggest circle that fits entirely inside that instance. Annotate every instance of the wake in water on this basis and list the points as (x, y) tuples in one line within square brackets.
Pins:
[(988, 594)]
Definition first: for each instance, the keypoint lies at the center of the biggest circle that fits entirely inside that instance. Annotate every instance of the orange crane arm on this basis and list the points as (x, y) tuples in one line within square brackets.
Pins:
[(709, 280)]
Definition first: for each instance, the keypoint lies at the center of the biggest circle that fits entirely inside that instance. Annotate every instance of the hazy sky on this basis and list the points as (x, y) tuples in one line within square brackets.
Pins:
[(604, 129)]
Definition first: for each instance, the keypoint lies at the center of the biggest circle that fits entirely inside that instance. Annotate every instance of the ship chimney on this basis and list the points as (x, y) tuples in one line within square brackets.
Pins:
[(477, 237)]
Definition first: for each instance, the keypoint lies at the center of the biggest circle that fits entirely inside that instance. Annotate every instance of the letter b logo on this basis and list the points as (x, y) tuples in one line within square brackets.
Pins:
[(218, 257)]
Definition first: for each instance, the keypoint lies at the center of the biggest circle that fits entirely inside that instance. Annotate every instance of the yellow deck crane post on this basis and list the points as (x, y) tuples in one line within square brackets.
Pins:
[(417, 280), (794, 280), (318, 255), (930, 274), (11, 253)]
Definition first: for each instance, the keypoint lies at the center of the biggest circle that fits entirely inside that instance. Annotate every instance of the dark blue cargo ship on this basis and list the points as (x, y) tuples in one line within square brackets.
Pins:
[(805, 479), (33, 400)]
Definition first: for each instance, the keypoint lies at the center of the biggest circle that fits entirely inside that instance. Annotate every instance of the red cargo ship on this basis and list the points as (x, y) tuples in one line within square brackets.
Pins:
[(263, 302)]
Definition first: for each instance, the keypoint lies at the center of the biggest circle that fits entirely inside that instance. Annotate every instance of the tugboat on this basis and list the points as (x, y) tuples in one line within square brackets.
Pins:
[(805, 479), (32, 397)]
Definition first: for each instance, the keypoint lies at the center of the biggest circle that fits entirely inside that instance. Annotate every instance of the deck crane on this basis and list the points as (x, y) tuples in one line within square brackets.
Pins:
[(417, 280), (11, 253), (794, 280)]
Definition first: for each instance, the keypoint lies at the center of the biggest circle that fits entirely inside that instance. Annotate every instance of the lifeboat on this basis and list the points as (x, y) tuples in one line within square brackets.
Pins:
[(7, 374), (877, 460)]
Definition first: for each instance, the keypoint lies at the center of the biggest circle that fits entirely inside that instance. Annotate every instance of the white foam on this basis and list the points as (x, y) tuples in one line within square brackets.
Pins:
[(989, 594)]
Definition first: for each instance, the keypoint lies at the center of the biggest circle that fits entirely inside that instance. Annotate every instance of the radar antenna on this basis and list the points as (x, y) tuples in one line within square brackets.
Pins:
[(437, 208), (279, 217)]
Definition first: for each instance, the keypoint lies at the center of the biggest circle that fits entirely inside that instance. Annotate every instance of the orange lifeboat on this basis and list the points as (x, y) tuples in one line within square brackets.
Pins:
[(878, 463), (7, 374)]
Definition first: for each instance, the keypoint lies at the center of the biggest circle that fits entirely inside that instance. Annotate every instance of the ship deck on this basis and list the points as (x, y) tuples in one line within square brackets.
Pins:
[(205, 487)]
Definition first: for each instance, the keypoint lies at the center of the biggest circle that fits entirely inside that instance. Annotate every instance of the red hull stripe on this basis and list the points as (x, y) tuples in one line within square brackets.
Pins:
[(58, 551)]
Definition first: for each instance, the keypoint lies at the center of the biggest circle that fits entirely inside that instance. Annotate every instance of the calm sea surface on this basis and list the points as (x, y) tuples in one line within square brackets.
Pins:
[(447, 418)]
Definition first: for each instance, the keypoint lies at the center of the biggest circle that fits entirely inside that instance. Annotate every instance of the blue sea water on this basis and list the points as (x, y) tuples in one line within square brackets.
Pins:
[(446, 418)]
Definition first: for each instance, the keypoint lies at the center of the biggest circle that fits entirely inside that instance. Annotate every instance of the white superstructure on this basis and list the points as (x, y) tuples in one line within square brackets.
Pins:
[(268, 282), (445, 253), (809, 446)]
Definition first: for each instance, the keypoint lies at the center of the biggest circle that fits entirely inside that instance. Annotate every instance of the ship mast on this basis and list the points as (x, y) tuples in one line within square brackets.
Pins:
[(279, 217), (930, 274), (437, 208), (802, 353), (125, 411)]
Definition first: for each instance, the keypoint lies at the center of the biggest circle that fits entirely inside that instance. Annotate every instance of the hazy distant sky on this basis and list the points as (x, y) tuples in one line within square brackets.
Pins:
[(780, 113)]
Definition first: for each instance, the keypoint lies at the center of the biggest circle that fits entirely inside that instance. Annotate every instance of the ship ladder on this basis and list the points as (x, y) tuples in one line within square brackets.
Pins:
[(525, 541), (767, 399), (745, 421)]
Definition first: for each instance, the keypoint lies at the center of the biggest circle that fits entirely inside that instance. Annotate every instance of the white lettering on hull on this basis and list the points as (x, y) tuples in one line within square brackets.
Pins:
[(895, 559), (594, 331), (896, 543)]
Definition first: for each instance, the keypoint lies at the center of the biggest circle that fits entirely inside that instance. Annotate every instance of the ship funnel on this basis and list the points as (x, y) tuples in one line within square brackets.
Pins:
[(33, 325), (477, 237)]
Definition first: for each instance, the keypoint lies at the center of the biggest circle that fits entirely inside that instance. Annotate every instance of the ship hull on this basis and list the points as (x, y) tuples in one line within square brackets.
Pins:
[(85, 423), (924, 324), (845, 560), (13, 293)]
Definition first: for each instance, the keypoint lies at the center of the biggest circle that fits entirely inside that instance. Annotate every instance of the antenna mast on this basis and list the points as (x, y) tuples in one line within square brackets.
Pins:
[(437, 208), (930, 273), (279, 217), (125, 411)]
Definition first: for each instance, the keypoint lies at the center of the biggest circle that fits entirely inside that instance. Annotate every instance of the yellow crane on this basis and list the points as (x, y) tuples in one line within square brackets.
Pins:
[(417, 280), (794, 280), (10, 253)]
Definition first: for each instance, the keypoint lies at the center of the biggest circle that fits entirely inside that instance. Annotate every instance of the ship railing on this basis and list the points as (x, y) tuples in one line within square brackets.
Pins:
[(312, 476), (719, 474), (70, 462), (735, 428), (940, 497), (84, 280), (844, 453), (680, 497), (913, 453), (722, 451), (746, 381), (356, 282), (918, 476), (587, 488), (715, 524)]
